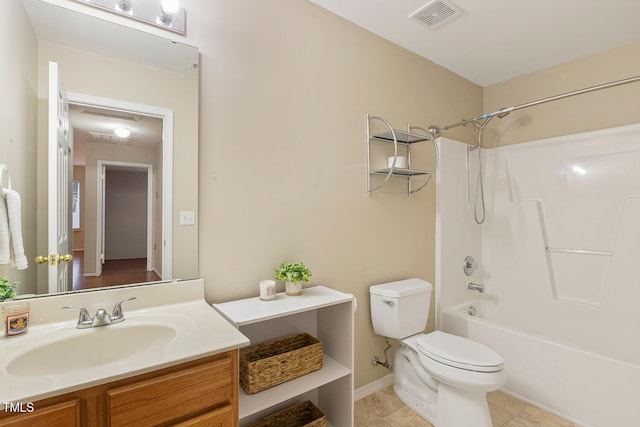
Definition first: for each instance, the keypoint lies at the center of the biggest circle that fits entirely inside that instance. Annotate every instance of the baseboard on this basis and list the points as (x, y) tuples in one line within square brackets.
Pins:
[(372, 387)]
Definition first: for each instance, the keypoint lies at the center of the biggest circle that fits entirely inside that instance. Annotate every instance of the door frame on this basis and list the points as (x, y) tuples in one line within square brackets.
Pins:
[(167, 169)]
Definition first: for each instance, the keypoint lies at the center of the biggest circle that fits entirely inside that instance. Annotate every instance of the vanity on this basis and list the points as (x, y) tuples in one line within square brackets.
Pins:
[(172, 361)]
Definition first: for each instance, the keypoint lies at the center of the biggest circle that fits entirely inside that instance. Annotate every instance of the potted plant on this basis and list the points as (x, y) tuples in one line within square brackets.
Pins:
[(7, 290), (292, 274)]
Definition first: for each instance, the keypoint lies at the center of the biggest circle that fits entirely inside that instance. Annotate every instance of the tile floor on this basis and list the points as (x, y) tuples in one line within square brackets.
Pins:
[(384, 409)]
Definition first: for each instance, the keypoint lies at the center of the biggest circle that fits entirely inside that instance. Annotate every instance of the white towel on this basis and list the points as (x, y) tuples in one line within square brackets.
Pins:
[(5, 239), (18, 258)]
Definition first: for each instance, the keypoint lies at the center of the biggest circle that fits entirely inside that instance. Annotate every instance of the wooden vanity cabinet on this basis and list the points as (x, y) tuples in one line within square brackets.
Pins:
[(203, 392)]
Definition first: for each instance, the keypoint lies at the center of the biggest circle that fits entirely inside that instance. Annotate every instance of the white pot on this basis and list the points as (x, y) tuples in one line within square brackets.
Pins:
[(293, 288)]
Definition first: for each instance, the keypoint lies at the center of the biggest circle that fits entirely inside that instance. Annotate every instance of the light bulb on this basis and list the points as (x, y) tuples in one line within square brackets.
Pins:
[(170, 6), (122, 132), (124, 5)]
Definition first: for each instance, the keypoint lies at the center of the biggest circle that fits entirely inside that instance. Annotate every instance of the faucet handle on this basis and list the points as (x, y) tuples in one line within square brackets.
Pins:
[(84, 318), (117, 312)]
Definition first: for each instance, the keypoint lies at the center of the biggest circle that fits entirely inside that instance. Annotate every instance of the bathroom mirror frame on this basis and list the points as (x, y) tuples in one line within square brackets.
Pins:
[(184, 61)]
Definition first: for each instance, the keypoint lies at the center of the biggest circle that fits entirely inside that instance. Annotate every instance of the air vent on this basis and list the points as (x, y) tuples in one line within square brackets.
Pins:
[(437, 13)]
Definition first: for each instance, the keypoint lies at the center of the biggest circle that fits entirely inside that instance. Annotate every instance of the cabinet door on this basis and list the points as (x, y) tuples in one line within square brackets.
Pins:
[(218, 418), (65, 414), (172, 396)]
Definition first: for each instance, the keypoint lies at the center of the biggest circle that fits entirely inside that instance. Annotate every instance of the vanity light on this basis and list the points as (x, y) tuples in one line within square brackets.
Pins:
[(124, 5), (122, 132), (166, 14), (168, 8)]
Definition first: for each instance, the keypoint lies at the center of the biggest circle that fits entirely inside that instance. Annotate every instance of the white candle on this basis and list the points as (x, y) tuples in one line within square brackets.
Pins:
[(400, 162), (267, 290)]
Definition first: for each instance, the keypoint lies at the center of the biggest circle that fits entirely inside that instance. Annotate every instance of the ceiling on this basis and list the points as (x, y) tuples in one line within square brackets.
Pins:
[(95, 124), (496, 40)]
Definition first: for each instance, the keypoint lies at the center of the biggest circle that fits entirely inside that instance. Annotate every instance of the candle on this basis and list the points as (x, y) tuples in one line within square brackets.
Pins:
[(400, 162), (267, 290)]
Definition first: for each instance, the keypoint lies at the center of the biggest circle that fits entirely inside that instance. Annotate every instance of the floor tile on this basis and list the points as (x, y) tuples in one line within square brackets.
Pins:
[(506, 402), (384, 409)]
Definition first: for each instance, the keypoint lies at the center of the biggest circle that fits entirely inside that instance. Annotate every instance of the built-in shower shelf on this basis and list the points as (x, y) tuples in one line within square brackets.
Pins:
[(397, 143)]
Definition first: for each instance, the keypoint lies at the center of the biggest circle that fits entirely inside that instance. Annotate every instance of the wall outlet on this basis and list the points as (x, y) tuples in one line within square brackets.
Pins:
[(187, 217)]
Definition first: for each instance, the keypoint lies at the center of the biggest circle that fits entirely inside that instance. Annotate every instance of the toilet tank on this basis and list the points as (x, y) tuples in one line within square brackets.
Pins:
[(400, 309)]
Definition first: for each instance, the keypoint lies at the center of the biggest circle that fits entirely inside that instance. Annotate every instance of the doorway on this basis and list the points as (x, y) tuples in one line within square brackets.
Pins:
[(134, 192)]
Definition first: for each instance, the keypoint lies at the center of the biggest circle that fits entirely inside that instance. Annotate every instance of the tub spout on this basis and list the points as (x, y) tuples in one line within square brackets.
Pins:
[(475, 286)]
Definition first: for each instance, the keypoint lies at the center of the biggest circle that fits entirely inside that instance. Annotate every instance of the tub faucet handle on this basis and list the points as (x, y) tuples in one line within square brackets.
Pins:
[(470, 265)]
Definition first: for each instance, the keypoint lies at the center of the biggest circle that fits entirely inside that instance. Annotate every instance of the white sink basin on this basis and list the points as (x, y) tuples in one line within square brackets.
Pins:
[(91, 348)]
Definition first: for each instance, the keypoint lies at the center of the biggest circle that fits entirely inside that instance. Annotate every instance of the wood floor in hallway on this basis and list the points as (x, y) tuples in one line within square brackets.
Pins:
[(114, 272)]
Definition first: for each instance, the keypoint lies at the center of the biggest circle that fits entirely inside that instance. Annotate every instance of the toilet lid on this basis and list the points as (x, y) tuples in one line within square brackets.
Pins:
[(459, 352)]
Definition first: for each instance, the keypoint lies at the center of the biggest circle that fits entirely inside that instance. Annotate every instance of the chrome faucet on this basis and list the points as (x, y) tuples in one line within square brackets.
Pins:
[(101, 318), (475, 286)]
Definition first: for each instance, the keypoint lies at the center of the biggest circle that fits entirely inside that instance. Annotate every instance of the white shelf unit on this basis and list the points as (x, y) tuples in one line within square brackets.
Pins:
[(326, 314), (400, 143)]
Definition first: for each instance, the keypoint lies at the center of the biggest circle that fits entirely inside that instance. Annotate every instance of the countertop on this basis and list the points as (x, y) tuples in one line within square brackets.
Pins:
[(200, 332)]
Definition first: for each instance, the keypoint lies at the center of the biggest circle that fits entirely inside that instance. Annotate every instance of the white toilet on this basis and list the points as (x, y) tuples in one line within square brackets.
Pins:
[(444, 378)]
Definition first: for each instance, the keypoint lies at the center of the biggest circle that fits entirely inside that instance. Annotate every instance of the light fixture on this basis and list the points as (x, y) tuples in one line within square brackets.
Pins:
[(122, 132), (124, 5), (166, 14), (168, 8)]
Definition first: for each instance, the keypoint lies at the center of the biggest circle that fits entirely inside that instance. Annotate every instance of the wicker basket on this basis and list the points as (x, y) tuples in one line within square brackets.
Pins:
[(304, 414), (277, 361)]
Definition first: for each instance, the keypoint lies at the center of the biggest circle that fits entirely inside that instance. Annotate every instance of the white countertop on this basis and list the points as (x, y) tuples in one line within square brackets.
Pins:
[(252, 310), (200, 332)]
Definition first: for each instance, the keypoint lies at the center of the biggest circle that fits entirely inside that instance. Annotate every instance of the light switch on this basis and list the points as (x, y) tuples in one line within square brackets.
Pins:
[(187, 217)]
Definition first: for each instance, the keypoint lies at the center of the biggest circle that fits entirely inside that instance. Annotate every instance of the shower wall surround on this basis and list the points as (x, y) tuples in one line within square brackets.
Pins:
[(562, 234), (558, 253)]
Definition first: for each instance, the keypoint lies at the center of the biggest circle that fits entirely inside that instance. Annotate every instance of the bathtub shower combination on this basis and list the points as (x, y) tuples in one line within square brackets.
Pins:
[(557, 255)]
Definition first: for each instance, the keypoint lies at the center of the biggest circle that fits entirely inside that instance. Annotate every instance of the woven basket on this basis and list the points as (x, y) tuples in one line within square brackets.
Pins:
[(277, 361), (304, 414)]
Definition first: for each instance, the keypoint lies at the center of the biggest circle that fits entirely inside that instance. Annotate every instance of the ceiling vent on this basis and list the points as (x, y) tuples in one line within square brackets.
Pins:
[(437, 13)]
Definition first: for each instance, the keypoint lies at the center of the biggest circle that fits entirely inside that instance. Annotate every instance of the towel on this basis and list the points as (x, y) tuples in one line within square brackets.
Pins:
[(5, 239), (18, 258)]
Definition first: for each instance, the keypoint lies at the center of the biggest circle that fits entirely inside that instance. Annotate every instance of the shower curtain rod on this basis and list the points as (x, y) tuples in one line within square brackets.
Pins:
[(436, 131)]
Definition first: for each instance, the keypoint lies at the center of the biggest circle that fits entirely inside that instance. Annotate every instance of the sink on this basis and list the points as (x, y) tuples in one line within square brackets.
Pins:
[(91, 348)]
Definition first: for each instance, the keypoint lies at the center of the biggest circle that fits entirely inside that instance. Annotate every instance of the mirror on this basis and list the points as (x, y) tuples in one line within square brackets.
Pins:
[(99, 58)]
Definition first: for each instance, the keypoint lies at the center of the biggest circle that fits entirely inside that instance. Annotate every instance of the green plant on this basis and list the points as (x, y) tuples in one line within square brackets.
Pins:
[(7, 290), (292, 272)]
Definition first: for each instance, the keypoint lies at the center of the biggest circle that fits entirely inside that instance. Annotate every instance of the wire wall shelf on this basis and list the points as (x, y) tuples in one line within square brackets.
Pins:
[(395, 151)]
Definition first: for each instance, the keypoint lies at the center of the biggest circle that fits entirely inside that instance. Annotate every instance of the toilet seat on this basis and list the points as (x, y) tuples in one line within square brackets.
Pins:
[(459, 352)]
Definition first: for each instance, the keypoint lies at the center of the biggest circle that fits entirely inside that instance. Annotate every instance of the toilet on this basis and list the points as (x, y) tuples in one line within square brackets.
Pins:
[(444, 378)]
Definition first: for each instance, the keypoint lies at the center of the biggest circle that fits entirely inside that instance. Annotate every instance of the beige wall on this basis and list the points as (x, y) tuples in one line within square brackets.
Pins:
[(125, 215), (101, 76), (285, 87), (18, 74), (597, 110)]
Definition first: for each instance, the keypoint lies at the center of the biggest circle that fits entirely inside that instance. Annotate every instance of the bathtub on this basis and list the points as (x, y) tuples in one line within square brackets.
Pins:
[(587, 388)]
